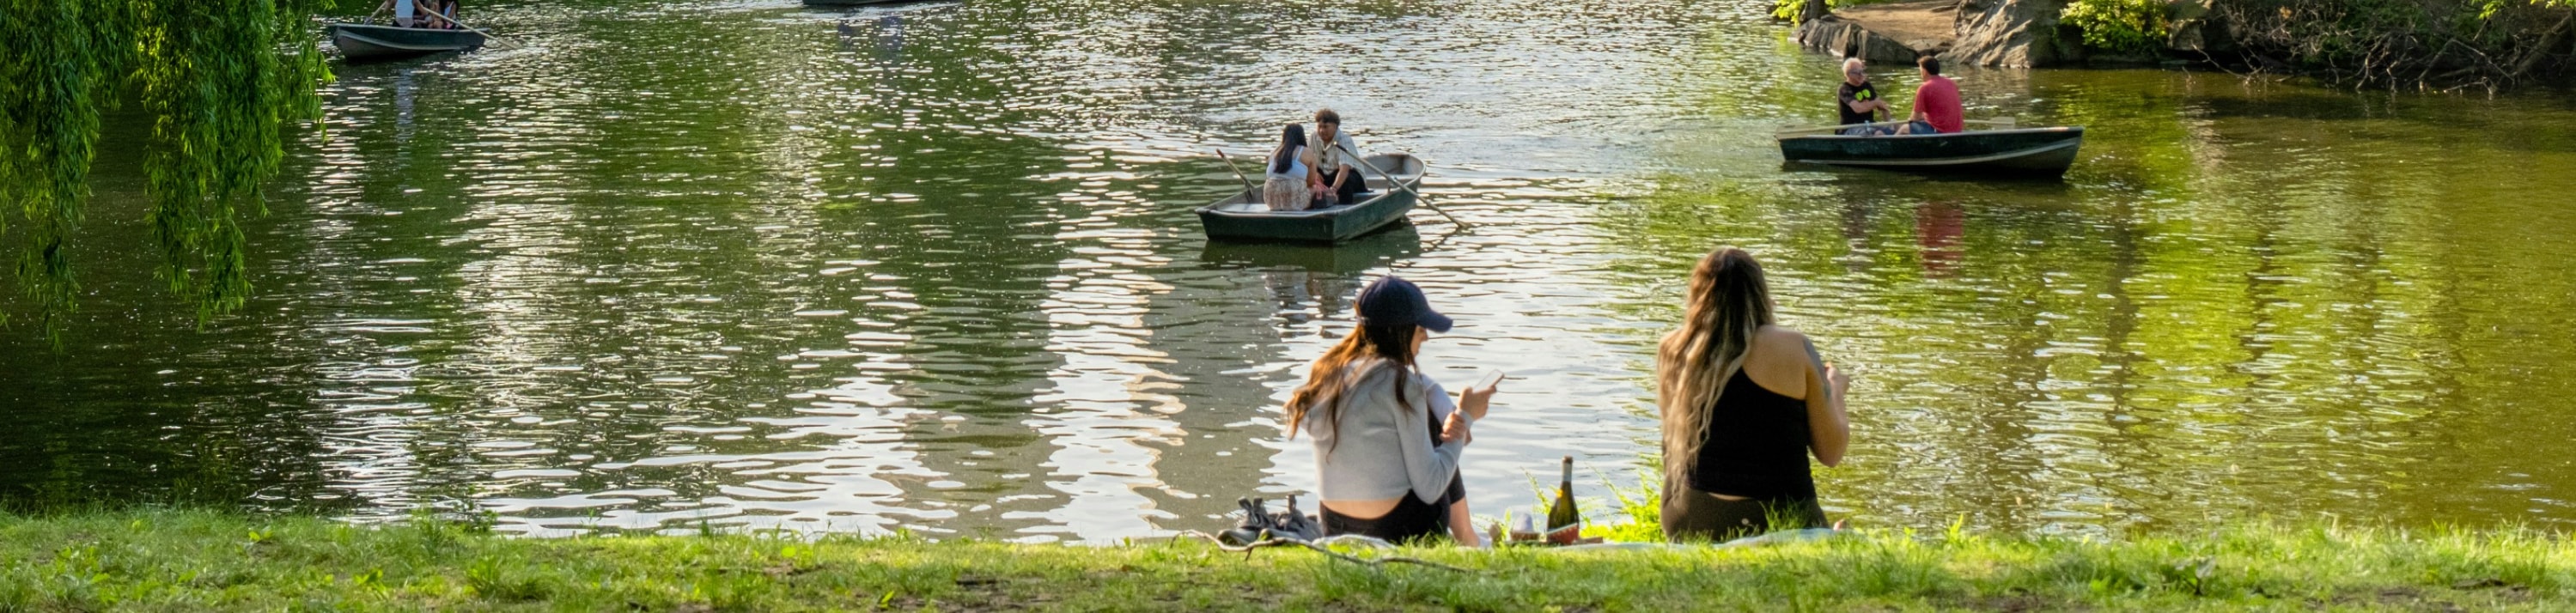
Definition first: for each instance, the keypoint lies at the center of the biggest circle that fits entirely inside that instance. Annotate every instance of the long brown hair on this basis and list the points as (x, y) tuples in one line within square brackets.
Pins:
[(1729, 301), (1328, 378)]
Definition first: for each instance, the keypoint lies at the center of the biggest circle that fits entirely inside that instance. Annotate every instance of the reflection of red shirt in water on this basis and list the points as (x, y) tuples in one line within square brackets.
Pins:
[(1938, 100)]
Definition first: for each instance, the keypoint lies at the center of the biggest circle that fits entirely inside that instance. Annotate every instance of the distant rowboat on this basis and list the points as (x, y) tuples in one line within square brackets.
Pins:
[(2025, 151), (362, 42), (1245, 217)]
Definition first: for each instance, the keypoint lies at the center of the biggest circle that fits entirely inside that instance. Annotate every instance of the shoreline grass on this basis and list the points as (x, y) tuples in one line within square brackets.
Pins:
[(208, 560)]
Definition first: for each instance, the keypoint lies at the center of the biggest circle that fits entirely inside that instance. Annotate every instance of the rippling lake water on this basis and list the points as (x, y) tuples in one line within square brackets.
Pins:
[(933, 267)]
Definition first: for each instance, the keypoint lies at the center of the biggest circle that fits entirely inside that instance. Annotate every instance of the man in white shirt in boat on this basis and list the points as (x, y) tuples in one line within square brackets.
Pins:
[(1336, 158), (407, 14)]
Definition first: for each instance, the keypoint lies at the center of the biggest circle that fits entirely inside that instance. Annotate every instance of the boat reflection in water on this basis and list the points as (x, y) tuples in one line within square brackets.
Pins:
[(1397, 242), (1327, 278)]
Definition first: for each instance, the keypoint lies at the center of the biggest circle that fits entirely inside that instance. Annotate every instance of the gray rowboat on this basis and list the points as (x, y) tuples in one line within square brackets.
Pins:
[(1244, 217), (2025, 151), (362, 42)]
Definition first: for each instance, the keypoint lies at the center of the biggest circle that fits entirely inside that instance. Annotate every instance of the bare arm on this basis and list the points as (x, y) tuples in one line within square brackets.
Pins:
[(1829, 429)]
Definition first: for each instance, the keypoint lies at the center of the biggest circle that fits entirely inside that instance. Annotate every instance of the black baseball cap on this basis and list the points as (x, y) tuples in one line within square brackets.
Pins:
[(1393, 301)]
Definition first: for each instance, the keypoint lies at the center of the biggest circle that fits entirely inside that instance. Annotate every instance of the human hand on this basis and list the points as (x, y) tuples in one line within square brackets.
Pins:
[(1837, 378), (1474, 401), (1455, 429)]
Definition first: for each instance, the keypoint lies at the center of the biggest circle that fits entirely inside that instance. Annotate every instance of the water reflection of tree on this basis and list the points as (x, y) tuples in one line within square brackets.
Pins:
[(2220, 316)]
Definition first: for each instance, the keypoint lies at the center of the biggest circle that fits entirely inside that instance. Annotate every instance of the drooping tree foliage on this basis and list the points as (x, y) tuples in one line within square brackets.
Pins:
[(221, 81), (2430, 44)]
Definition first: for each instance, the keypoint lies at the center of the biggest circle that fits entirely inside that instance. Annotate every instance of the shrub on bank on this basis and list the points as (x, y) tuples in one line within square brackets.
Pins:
[(2432, 44), (184, 560)]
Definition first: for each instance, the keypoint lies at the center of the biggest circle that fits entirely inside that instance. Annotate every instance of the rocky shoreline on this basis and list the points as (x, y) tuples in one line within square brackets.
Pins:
[(2335, 40)]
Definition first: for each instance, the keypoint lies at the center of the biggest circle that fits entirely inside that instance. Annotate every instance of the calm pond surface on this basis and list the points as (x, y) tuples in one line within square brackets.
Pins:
[(933, 267)]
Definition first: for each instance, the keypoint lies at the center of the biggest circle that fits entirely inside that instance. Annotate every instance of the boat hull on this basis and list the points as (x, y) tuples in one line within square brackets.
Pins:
[(2032, 151), (1243, 217), (364, 42)]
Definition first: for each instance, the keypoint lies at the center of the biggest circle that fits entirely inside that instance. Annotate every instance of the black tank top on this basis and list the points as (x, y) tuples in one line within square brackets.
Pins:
[(1756, 446)]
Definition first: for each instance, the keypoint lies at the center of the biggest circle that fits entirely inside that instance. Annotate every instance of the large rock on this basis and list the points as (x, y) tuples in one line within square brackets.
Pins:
[(1893, 33), (2017, 33)]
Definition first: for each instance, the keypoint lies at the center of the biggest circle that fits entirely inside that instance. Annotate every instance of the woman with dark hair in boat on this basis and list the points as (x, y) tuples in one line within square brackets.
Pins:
[(1289, 181), (1744, 400), (1387, 438), (1936, 103)]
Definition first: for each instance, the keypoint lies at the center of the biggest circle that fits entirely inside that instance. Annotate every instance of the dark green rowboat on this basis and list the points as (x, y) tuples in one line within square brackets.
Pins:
[(362, 42), (2026, 151), (1244, 217)]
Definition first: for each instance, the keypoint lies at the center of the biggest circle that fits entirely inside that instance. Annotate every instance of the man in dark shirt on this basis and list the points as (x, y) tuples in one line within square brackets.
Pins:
[(1858, 101)]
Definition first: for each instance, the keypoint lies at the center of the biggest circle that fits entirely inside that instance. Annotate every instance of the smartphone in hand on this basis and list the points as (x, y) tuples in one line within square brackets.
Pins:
[(1491, 379)]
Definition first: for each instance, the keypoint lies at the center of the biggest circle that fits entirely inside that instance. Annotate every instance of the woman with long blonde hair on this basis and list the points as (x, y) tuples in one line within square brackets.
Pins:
[(1743, 400), (1386, 437)]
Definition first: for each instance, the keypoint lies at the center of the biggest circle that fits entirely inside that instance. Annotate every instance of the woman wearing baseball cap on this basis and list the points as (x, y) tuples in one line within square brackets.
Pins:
[(1388, 461)]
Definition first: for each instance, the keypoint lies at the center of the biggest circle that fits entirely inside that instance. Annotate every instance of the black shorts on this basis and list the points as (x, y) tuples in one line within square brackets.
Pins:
[(1412, 519), (1700, 516)]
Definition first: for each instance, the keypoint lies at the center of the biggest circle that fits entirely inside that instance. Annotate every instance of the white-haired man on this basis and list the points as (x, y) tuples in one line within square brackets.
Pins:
[(1858, 101)]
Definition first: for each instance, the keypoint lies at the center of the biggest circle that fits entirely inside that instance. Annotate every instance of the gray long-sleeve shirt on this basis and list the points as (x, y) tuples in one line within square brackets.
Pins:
[(1383, 450)]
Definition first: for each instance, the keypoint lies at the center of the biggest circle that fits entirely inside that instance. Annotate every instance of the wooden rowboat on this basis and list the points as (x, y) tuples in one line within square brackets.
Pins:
[(362, 42), (1244, 217), (2024, 151)]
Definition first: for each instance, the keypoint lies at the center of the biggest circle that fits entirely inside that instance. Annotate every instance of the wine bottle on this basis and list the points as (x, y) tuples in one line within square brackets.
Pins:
[(1563, 514)]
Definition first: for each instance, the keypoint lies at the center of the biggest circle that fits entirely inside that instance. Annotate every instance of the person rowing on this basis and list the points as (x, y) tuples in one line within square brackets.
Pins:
[(1337, 160), (1936, 103), (431, 14), (407, 14)]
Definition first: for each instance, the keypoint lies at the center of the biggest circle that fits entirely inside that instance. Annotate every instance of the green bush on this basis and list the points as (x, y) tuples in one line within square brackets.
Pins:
[(1788, 9), (2118, 26)]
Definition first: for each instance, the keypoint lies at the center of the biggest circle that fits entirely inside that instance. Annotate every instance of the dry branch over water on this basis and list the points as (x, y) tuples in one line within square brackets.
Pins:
[(185, 560)]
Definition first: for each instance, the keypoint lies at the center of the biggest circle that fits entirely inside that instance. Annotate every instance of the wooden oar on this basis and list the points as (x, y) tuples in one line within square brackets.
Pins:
[(486, 35), (1391, 180), (1238, 172)]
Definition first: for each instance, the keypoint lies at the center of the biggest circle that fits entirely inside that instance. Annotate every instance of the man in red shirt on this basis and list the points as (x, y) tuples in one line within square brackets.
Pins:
[(1936, 103)]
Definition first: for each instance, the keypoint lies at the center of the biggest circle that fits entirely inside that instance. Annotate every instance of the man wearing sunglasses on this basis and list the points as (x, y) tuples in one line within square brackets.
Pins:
[(1859, 101)]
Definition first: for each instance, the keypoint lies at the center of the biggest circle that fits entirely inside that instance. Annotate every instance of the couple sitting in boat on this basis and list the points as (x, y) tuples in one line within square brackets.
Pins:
[(1936, 102), (1315, 171), (427, 14)]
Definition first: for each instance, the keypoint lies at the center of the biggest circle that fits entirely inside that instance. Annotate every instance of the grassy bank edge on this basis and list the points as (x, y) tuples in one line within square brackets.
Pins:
[(200, 560)]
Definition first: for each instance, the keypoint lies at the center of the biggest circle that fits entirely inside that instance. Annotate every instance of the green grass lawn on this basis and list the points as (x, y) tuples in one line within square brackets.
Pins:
[(197, 560)]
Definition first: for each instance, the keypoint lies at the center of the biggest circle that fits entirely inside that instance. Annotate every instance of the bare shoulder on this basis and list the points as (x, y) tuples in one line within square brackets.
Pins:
[(1779, 361), (1781, 341)]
